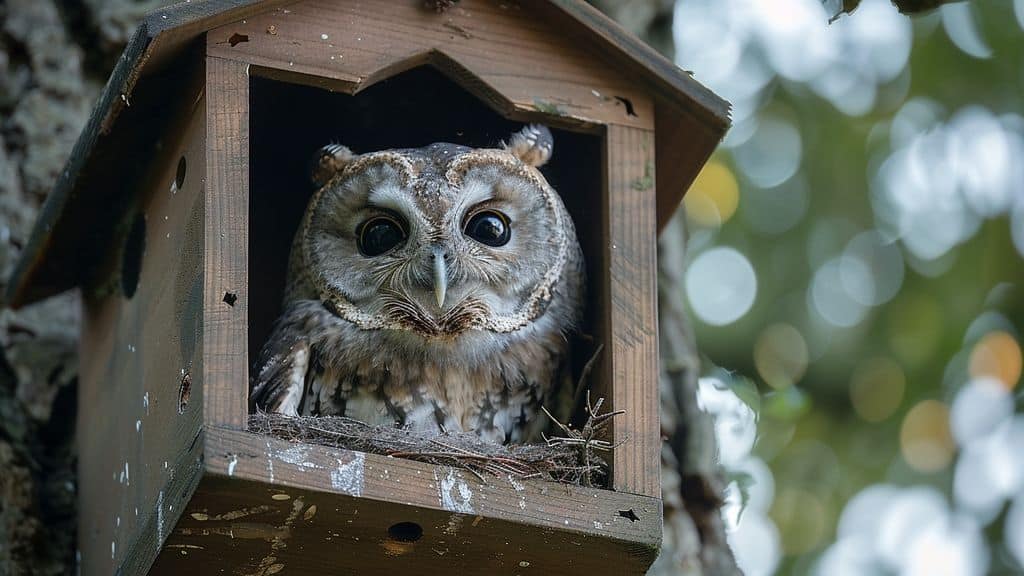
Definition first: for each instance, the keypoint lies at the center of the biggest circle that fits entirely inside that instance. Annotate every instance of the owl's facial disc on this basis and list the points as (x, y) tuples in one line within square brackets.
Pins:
[(439, 241)]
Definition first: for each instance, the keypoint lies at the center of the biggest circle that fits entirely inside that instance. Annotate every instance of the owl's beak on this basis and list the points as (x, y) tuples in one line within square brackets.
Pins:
[(440, 277)]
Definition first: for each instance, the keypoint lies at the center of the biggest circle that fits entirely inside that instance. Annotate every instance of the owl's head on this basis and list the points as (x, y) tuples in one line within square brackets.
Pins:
[(441, 240)]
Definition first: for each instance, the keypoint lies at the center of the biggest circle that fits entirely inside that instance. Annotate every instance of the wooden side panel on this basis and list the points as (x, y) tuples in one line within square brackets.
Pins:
[(137, 437), (683, 146), (225, 344), (631, 318), (357, 43), (326, 511)]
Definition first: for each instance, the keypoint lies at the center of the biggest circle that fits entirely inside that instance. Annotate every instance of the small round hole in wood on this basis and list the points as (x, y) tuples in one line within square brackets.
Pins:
[(184, 392), (405, 532), (131, 259), (179, 174)]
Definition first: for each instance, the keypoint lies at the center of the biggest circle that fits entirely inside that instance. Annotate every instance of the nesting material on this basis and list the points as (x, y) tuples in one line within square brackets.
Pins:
[(570, 458)]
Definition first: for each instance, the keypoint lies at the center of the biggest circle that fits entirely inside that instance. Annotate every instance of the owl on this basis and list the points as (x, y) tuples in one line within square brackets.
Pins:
[(432, 288)]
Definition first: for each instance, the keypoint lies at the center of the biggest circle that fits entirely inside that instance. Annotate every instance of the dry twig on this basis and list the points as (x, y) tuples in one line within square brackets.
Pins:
[(571, 459)]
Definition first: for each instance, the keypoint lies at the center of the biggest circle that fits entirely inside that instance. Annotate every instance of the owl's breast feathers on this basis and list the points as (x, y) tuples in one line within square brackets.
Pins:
[(317, 364)]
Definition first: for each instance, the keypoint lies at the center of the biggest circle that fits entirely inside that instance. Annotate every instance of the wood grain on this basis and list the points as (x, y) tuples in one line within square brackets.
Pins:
[(225, 344), (504, 46), (556, 61), (630, 314), (504, 526), (135, 446), (682, 148)]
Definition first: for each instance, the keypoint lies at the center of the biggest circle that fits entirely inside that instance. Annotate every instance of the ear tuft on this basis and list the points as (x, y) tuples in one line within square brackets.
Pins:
[(329, 161), (533, 145)]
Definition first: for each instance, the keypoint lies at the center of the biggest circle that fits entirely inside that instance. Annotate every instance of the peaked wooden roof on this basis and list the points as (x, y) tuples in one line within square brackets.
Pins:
[(86, 208)]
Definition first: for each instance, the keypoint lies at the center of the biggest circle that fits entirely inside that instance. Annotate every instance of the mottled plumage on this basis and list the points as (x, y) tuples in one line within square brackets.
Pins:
[(432, 288)]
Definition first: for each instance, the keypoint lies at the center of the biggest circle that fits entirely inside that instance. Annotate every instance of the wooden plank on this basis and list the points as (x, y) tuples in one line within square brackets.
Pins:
[(503, 46), (682, 148), (76, 224), (328, 511), (225, 325), (242, 527), (247, 456), (631, 310), (134, 443)]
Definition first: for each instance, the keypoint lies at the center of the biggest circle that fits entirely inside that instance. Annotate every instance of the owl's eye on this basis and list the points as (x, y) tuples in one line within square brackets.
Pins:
[(489, 227), (379, 234)]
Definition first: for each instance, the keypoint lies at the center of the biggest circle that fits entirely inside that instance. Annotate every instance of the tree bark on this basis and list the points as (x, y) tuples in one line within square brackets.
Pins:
[(54, 57)]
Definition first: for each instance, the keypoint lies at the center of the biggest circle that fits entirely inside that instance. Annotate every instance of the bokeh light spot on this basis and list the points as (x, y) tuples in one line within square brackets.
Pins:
[(780, 355), (714, 196), (772, 155), (802, 519), (830, 299), (925, 439), (978, 409), (876, 388), (721, 285), (997, 355)]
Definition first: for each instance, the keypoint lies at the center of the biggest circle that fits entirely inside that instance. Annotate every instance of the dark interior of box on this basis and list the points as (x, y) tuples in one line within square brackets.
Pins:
[(289, 122)]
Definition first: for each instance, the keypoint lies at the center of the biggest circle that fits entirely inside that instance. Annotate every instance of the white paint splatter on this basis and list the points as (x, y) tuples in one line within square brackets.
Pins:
[(454, 493), (516, 484), (270, 464), (348, 476), (297, 455), (159, 521), (231, 465)]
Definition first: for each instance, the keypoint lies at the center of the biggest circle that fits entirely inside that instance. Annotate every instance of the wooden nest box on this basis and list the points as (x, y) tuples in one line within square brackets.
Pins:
[(174, 217)]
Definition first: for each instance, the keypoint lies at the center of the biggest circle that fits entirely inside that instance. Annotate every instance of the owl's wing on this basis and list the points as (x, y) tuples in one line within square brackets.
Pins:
[(279, 381)]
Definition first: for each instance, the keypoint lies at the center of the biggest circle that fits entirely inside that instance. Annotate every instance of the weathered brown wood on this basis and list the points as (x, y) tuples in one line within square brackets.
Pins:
[(682, 148), (136, 447), (592, 59), (630, 379), (359, 43), (225, 325), (505, 526)]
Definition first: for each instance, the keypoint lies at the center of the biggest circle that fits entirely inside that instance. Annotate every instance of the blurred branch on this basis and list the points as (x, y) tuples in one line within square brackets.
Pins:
[(910, 7)]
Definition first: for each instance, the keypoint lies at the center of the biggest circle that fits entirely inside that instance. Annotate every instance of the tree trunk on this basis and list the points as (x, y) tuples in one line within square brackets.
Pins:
[(54, 57)]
